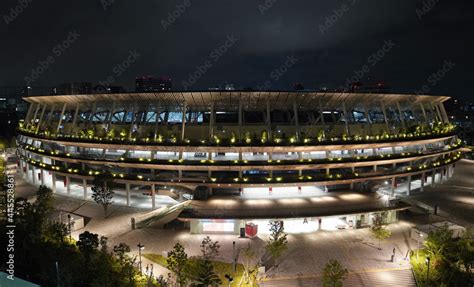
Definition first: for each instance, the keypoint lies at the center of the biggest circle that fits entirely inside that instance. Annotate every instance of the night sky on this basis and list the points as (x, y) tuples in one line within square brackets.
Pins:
[(271, 44)]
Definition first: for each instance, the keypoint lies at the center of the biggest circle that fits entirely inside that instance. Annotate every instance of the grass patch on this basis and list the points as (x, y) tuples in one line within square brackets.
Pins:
[(221, 268)]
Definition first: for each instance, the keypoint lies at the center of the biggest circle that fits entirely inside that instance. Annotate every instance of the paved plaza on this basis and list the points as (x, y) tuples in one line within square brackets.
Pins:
[(307, 253)]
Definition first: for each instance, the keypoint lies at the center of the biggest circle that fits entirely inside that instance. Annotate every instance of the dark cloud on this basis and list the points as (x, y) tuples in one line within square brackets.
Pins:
[(267, 32)]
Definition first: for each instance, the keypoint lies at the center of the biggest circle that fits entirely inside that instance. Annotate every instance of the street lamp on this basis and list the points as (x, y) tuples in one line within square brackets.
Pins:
[(427, 261), (140, 248)]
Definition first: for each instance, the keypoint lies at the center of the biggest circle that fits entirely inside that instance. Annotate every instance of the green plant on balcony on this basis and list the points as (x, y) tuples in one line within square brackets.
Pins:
[(233, 138), (111, 133), (321, 135), (248, 137), (264, 137)]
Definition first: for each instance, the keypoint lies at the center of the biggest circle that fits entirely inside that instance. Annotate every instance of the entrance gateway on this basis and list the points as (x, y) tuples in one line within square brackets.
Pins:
[(255, 227)]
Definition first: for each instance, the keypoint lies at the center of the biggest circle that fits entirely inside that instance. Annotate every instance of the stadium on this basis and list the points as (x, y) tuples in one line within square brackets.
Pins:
[(317, 160)]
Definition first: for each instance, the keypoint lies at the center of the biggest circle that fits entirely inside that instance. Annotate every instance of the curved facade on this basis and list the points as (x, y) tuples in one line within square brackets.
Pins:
[(226, 142)]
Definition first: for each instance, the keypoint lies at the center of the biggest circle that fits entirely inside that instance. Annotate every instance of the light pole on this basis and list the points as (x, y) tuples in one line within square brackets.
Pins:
[(233, 257), (427, 261), (140, 248)]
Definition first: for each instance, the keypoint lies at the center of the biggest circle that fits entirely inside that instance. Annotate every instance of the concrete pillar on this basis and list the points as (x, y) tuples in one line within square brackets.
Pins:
[(61, 117), (33, 173), (76, 113), (297, 126), (422, 181), (134, 111), (441, 175), (375, 168), (346, 119), (157, 122), (408, 184), (433, 177), (38, 106), (153, 201), (322, 115), (53, 182), (183, 122), (84, 185), (240, 120), (127, 189), (402, 118), (269, 121), (30, 111), (42, 176), (68, 185), (443, 112), (211, 122), (424, 113), (41, 118), (392, 186)]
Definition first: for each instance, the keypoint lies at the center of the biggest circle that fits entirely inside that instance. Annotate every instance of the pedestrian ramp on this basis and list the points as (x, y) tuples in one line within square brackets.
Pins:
[(395, 277)]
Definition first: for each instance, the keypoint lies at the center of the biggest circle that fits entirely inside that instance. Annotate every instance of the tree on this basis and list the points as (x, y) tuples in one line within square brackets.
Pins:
[(334, 273), (209, 248), (206, 274), (88, 243), (56, 232), (205, 269), (126, 262), (102, 192), (377, 229), (250, 269), (381, 233), (278, 241), (177, 261)]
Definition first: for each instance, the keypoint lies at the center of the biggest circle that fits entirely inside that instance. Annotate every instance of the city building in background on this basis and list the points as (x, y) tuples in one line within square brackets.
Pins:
[(145, 84), (233, 151), (75, 88)]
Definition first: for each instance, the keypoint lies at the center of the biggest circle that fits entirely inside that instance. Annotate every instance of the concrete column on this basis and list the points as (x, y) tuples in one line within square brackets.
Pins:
[(346, 119), (53, 182), (433, 177), (33, 173), (422, 181), (50, 116), (42, 176), (127, 189), (84, 185), (240, 120), (111, 114), (322, 115), (367, 116), (443, 112), (211, 122), (183, 122), (153, 200), (386, 119), (61, 117), (157, 122), (424, 113), (41, 118), (38, 106), (352, 184), (134, 111), (408, 184), (375, 168), (297, 126), (402, 118), (392, 186), (28, 114), (68, 185), (269, 121), (441, 175), (76, 113)]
